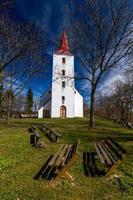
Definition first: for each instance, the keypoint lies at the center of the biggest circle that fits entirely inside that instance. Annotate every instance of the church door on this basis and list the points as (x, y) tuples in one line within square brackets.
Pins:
[(45, 113), (62, 111)]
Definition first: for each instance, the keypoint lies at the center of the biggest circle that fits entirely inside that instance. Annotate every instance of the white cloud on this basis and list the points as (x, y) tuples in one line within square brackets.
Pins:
[(109, 83)]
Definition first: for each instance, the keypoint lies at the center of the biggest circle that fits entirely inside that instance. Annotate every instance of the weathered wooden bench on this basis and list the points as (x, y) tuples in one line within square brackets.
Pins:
[(110, 154), (51, 134), (57, 165)]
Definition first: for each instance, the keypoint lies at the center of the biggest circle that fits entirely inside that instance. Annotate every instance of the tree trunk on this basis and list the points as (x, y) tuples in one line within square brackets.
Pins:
[(92, 106)]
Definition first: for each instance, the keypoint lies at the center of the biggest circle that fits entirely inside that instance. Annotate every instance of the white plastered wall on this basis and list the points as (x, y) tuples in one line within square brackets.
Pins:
[(40, 112), (57, 90), (78, 105)]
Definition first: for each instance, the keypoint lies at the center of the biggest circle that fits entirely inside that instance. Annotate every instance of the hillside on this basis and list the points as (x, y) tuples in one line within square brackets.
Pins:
[(19, 162)]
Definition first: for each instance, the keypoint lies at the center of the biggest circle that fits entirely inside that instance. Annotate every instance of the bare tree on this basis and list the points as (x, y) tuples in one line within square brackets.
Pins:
[(6, 5), (18, 42), (21, 55), (103, 37), (117, 106)]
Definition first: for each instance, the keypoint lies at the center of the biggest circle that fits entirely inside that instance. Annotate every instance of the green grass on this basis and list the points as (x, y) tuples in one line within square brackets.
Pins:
[(19, 162)]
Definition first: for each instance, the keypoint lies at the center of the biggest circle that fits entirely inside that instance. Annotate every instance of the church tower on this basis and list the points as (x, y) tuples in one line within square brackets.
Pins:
[(62, 99), (63, 87)]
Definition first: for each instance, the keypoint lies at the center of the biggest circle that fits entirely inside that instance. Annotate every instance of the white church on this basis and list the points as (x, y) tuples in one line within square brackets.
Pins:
[(62, 99)]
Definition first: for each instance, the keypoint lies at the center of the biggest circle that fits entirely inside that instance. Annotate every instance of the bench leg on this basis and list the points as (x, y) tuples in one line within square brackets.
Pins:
[(68, 176), (113, 168), (64, 173)]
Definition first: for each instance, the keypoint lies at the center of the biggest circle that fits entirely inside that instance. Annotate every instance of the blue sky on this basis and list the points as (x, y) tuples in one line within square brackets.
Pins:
[(52, 16)]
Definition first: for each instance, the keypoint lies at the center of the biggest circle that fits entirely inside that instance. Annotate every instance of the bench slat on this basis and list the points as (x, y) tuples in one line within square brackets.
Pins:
[(87, 163), (105, 154), (56, 155), (37, 134), (57, 134), (51, 133), (99, 154), (61, 155), (106, 148), (118, 155), (66, 155), (117, 145)]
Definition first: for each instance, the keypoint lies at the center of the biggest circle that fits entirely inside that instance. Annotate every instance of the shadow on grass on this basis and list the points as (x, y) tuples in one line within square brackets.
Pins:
[(90, 167), (44, 170)]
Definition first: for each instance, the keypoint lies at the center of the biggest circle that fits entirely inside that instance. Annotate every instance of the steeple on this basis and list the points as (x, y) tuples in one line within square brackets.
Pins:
[(64, 48)]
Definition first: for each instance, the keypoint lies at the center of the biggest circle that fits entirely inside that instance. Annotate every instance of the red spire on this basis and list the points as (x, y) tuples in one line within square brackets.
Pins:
[(64, 48)]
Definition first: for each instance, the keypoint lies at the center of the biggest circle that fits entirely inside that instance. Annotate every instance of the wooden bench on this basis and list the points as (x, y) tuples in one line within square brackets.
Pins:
[(110, 154), (57, 165), (51, 134)]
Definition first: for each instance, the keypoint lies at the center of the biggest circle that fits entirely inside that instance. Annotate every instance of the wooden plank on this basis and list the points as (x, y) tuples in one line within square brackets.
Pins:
[(76, 147), (66, 155), (61, 156), (99, 154), (69, 155), (51, 130), (107, 149), (112, 169), (109, 162), (68, 176), (59, 135), (117, 145), (93, 154), (87, 163), (56, 155), (52, 135), (46, 126), (113, 149), (93, 169), (37, 134)]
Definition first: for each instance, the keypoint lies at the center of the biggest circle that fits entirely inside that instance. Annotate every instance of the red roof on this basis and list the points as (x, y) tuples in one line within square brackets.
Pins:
[(64, 48)]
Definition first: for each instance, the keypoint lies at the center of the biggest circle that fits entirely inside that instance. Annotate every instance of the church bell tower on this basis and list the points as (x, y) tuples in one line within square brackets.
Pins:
[(62, 101)]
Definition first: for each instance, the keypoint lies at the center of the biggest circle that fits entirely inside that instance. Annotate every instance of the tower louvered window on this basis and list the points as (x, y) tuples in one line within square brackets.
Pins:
[(63, 84), (63, 60), (63, 72)]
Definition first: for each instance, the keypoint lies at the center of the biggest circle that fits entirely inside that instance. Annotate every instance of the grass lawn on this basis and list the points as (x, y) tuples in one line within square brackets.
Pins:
[(19, 162)]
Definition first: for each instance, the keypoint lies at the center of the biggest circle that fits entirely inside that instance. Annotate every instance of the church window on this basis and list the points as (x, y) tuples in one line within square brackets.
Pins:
[(63, 84), (63, 60), (63, 99), (63, 72)]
